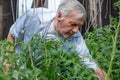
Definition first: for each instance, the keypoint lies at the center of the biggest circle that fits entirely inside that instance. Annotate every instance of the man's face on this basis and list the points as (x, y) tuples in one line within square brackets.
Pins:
[(69, 25)]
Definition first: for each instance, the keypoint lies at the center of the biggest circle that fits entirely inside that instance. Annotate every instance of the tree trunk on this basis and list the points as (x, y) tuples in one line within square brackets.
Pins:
[(1, 19), (6, 17)]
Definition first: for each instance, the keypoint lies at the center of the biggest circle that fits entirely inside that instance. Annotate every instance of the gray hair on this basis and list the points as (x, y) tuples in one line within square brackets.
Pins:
[(71, 5)]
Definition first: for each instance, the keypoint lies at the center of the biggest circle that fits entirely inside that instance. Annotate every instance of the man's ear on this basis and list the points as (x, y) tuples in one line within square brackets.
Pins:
[(59, 16)]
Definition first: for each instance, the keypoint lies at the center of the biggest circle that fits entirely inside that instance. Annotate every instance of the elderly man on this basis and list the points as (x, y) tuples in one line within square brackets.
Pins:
[(64, 24)]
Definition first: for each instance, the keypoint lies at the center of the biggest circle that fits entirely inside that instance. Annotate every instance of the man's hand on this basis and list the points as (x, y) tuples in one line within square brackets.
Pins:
[(101, 74), (10, 38)]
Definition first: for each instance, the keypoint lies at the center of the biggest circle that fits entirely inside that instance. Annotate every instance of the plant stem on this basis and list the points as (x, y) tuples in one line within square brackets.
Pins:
[(31, 57), (113, 51)]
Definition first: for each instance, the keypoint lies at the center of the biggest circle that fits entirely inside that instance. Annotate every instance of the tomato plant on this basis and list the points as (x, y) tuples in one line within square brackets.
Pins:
[(104, 45), (42, 60)]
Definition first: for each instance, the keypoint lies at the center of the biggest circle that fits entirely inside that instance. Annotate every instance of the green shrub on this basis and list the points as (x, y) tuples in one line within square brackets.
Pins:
[(43, 60), (104, 45)]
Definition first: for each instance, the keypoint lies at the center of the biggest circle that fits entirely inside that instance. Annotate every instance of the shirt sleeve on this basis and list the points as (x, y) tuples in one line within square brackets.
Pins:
[(83, 52), (17, 27)]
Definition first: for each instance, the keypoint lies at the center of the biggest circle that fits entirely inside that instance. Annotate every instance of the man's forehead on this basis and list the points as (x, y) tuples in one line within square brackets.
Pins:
[(75, 15), (76, 21)]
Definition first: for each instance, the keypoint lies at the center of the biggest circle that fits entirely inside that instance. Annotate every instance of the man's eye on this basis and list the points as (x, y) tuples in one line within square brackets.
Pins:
[(73, 25)]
